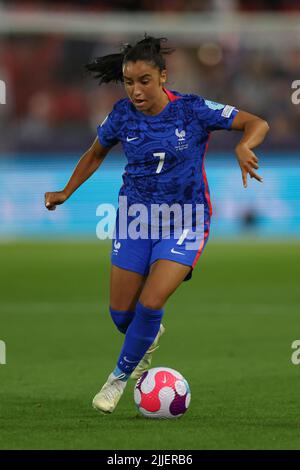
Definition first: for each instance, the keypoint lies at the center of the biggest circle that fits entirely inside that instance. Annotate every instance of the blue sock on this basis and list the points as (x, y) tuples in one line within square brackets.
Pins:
[(139, 336), (121, 319), (117, 372)]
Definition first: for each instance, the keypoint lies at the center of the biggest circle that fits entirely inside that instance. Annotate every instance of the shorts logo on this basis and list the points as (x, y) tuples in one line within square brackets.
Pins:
[(117, 246), (176, 252)]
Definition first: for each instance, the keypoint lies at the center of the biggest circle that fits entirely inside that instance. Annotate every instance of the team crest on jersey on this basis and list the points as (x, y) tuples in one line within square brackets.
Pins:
[(180, 135), (181, 140)]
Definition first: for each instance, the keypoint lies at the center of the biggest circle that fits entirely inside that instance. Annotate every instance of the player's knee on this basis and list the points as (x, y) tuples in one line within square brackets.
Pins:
[(153, 303), (121, 319)]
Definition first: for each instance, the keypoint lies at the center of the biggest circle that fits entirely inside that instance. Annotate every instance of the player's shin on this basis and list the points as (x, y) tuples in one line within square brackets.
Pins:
[(139, 336)]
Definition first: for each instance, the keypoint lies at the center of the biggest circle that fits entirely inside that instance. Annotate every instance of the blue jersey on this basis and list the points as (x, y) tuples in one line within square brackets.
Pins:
[(165, 153)]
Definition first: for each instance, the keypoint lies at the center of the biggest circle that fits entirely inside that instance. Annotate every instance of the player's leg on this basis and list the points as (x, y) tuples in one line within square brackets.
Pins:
[(146, 299), (125, 288), (130, 266), (164, 278), (172, 261)]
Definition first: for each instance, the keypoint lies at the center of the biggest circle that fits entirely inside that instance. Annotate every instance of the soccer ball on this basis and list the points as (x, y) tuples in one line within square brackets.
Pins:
[(162, 393)]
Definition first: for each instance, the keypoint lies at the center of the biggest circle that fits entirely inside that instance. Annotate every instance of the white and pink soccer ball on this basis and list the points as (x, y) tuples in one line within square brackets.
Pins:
[(162, 392)]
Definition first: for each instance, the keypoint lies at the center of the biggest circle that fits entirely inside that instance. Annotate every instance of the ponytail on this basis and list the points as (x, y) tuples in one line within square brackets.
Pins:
[(109, 67)]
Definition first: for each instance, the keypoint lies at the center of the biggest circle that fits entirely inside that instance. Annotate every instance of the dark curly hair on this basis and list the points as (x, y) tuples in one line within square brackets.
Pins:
[(109, 67)]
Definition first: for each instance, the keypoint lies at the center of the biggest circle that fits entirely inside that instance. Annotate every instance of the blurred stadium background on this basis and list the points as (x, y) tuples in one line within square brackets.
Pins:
[(54, 296)]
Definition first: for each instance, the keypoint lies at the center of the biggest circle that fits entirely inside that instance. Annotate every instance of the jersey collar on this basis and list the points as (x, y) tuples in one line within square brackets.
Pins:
[(170, 95)]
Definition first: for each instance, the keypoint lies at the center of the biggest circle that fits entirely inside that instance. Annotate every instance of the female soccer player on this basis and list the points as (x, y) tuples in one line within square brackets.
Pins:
[(164, 135)]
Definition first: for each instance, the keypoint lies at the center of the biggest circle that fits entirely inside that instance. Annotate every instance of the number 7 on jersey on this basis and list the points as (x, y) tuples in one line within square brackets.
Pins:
[(161, 156)]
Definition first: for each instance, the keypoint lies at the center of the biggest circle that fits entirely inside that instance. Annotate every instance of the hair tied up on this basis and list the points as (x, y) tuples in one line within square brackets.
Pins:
[(109, 68)]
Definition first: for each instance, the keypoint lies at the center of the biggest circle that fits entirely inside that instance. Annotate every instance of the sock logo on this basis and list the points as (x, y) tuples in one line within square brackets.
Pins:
[(131, 362)]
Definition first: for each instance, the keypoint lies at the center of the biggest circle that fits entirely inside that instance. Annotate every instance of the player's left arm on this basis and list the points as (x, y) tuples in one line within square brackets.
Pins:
[(254, 131)]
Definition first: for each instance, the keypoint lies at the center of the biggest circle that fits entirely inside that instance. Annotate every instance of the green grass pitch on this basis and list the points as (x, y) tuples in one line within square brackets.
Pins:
[(229, 332)]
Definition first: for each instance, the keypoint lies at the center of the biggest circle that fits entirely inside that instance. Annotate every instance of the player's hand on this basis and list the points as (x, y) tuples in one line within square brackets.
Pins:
[(248, 162), (53, 199)]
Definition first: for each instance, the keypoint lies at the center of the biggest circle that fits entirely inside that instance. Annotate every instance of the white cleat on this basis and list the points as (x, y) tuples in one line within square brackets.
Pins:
[(145, 363), (107, 399)]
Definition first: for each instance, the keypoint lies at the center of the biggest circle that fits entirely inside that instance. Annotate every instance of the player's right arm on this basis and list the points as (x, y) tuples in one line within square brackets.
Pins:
[(87, 165)]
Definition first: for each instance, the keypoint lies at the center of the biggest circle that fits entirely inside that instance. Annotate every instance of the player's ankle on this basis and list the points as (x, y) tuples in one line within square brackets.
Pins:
[(120, 375)]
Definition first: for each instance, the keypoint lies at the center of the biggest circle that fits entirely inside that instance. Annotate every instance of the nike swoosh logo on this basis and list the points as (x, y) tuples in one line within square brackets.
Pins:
[(129, 139), (132, 362), (176, 252)]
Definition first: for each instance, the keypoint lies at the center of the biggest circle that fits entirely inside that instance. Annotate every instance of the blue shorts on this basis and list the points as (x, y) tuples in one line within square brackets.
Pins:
[(139, 254)]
